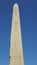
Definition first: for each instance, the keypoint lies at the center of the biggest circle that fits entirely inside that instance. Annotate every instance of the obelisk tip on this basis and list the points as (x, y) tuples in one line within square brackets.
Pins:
[(15, 5)]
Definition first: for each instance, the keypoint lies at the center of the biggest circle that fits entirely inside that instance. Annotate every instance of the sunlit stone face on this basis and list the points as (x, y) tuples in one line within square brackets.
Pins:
[(16, 55)]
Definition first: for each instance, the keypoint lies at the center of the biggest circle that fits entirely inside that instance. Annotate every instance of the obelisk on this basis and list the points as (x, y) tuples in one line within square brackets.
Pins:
[(16, 51)]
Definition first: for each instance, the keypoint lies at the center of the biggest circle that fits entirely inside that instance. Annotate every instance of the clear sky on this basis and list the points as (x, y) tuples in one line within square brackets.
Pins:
[(28, 18)]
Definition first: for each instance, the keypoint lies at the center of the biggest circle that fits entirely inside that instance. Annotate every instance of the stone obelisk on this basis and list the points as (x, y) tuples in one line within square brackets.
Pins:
[(16, 52)]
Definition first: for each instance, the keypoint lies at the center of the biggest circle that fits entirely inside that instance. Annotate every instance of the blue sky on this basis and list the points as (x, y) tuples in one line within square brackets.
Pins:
[(28, 18)]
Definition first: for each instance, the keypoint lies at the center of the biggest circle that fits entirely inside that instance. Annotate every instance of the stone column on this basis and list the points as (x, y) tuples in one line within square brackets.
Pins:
[(16, 52)]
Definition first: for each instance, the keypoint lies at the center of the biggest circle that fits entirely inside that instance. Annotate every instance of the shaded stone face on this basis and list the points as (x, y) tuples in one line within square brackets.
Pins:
[(16, 53)]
